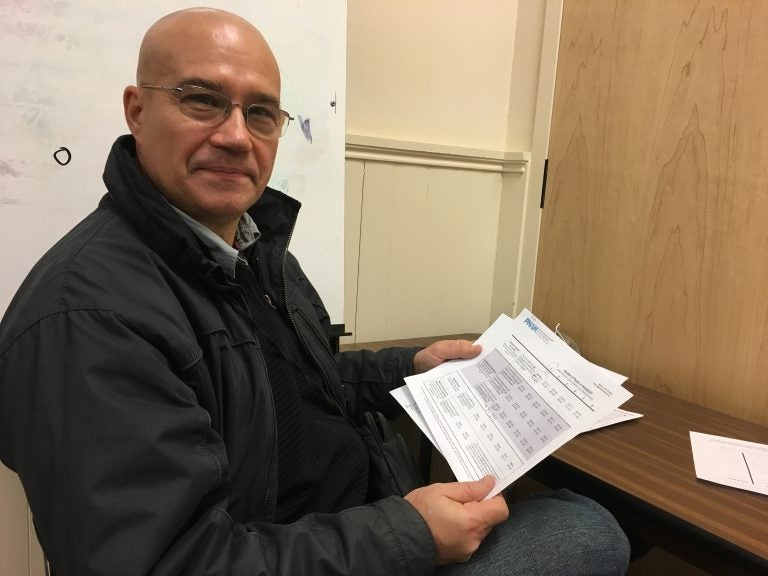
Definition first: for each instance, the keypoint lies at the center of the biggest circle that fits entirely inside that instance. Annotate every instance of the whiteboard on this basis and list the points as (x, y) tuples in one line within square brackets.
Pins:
[(64, 65)]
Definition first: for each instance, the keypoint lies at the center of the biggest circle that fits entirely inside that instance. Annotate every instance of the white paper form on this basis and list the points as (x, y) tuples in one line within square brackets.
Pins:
[(731, 462), (615, 416), (525, 396), (405, 399)]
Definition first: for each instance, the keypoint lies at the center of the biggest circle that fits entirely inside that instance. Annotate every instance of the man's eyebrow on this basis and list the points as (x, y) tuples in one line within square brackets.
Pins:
[(202, 82), (263, 98), (253, 98)]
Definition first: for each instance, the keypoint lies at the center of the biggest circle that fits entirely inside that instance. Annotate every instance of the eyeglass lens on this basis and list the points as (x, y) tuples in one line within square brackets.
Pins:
[(207, 105)]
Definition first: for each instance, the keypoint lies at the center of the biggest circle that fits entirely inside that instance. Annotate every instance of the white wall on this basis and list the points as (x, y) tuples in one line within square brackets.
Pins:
[(431, 70), (65, 65)]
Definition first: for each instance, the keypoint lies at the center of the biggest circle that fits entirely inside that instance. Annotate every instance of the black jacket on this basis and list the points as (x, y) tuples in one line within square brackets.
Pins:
[(135, 405)]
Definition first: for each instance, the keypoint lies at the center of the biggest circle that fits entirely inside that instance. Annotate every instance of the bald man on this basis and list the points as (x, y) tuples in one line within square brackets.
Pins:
[(167, 392)]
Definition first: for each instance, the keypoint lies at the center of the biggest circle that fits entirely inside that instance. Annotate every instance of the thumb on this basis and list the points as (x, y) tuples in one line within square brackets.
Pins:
[(472, 491), (461, 349)]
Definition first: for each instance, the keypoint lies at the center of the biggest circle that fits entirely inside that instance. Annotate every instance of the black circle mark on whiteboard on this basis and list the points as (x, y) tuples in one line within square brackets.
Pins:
[(62, 151)]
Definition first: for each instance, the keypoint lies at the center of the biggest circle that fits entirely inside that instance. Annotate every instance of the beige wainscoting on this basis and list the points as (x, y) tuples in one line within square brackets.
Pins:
[(424, 224), (20, 553), (14, 545)]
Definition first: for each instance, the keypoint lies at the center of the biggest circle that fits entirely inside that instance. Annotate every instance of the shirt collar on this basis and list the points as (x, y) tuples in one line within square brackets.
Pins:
[(225, 255)]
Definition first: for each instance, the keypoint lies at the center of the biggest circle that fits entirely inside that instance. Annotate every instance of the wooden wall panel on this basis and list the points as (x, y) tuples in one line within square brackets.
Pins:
[(653, 252)]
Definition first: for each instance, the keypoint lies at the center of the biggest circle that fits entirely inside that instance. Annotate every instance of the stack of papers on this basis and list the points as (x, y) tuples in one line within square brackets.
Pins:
[(524, 396)]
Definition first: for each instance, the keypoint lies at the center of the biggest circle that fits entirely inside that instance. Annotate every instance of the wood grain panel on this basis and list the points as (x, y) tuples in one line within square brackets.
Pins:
[(654, 239)]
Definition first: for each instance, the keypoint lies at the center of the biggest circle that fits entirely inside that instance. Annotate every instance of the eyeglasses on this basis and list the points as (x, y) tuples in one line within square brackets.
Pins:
[(211, 107)]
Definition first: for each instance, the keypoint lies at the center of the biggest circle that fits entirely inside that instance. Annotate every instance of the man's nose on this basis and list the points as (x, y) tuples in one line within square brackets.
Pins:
[(233, 131)]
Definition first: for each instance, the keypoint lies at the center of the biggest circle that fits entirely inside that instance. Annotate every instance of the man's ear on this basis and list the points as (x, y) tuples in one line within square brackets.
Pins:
[(133, 107)]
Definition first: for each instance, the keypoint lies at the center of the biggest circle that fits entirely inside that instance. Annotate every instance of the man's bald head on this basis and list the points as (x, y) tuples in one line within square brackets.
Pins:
[(172, 32)]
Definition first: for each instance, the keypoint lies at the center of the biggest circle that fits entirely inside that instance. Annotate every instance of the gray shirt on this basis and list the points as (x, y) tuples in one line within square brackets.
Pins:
[(246, 234)]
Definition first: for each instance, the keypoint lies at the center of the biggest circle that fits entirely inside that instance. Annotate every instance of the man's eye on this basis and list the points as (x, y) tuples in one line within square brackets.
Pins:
[(201, 101), (263, 113)]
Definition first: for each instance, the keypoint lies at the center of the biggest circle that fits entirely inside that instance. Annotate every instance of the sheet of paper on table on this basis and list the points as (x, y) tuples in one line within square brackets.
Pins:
[(731, 462), (527, 394)]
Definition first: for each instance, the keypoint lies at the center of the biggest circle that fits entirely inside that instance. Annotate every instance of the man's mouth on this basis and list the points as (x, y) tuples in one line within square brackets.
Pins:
[(225, 170)]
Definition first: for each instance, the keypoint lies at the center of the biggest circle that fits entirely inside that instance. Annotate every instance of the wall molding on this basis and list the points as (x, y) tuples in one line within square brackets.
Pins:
[(440, 155)]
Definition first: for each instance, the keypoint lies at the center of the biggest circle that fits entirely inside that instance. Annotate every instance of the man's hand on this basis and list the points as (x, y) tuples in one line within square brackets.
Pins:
[(439, 352), (458, 517)]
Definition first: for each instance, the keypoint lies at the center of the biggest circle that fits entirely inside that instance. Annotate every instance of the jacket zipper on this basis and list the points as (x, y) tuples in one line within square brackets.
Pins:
[(338, 395), (243, 292), (340, 402)]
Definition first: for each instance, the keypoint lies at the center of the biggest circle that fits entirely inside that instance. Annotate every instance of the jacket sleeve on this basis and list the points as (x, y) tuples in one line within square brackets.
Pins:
[(369, 375), (125, 475)]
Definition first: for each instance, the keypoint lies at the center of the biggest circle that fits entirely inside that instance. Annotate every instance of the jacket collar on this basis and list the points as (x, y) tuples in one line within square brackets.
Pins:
[(163, 230)]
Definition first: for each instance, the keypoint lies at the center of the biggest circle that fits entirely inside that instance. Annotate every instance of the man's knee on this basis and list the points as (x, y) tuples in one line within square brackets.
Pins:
[(573, 535)]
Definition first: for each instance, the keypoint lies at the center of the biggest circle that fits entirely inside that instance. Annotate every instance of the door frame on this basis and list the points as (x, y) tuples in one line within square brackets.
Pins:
[(529, 235)]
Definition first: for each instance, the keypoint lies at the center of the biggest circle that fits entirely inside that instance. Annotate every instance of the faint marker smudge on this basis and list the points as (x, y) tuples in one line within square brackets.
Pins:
[(305, 129), (7, 170)]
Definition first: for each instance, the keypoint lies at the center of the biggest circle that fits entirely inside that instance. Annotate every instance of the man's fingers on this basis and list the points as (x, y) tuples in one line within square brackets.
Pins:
[(439, 352), (457, 515), (494, 510), (473, 491)]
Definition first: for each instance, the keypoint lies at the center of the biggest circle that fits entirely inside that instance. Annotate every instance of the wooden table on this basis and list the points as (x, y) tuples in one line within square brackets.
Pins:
[(407, 342), (642, 470)]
